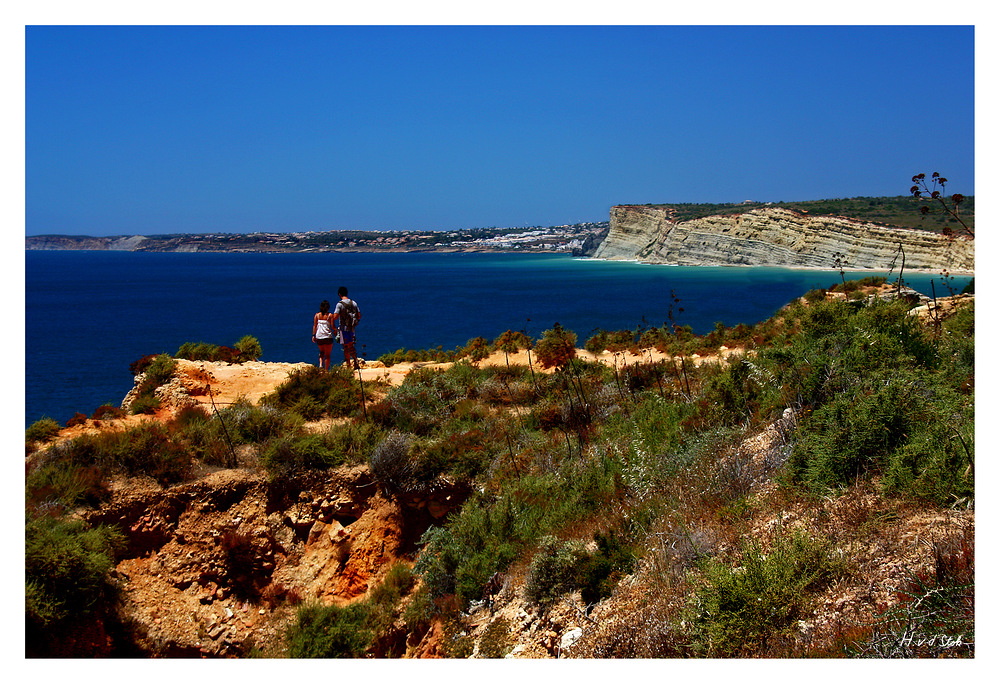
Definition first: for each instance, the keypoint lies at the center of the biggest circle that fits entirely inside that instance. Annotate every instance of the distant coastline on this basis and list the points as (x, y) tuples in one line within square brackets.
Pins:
[(814, 235), (578, 239)]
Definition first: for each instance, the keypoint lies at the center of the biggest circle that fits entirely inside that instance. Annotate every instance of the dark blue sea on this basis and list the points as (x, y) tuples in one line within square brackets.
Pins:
[(89, 314)]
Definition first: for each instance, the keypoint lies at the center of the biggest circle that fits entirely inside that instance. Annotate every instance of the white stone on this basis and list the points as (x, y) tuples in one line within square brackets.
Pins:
[(570, 638)]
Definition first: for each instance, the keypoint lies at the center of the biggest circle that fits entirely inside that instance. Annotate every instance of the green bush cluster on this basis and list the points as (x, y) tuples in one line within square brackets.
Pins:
[(679, 340), (476, 349), (896, 211), (313, 393), (855, 285), (490, 531), (556, 347), (882, 398), (560, 567), (510, 342), (617, 341), (246, 349), (42, 430), (71, 468), (321, 631), (743, 610), (65, 576)]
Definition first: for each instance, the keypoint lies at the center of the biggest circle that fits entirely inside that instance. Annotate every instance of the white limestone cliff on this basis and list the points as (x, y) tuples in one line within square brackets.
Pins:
[(777, 237)]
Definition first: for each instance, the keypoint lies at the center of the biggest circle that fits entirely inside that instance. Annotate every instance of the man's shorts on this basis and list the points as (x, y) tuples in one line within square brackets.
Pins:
[(346, 336)]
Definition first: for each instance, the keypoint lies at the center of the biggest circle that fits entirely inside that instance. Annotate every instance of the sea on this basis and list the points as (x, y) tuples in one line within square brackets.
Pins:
[(90, 314)]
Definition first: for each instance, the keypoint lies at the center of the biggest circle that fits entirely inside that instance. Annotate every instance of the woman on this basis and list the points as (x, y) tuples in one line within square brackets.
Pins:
[(323, 333)]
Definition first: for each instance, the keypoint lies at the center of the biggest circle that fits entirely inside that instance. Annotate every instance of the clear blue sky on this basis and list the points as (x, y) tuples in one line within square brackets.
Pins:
[(145, 130)]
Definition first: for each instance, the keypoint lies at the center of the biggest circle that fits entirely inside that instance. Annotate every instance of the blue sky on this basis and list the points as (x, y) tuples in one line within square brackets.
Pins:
[(147, 129)]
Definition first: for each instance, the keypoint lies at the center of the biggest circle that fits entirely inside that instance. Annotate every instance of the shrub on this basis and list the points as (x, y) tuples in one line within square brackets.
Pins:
[(597, 342), (390, 462), (419, 610), (159, 372), (740, 611), (249, 347), (139, 365), (309, 408), (415, 407), (62, 485), (560, 567), (384, 597), (249, 424), (246, 349), (918, 434), (77, 419), (461, 558), (146, 449), (65, 571), (554, 570), (511, 342), (107, 412), (354, 442), (963, 322), (144, 404), (200, 351), (937, 461), (739, 391), (465, 454), (205, 437), (240, 563), (496, 640), (42, 430), (815, 296), (489, 531), (311, 392), (330, 631), (556, 347), (599, 572), (477, 349), (191, 415), (292, 454)]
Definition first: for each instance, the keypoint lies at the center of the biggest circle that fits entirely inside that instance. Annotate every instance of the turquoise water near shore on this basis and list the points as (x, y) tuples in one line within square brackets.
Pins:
[(89, 314)]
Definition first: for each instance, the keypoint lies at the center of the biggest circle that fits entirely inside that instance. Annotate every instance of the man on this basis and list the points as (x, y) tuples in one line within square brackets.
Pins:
[(348, 314)]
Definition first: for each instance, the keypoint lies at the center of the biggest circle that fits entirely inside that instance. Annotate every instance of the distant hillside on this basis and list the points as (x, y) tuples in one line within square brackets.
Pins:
[(902, 211)]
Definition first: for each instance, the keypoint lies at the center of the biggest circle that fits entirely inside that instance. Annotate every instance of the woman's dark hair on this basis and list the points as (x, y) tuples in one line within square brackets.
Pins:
[(324, 306)]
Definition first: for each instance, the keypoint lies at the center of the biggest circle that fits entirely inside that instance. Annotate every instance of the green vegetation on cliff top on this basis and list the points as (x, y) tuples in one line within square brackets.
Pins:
[(902, 211)]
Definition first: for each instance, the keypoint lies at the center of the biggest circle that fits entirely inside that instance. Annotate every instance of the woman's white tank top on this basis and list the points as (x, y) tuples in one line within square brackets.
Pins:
[(323, 329)]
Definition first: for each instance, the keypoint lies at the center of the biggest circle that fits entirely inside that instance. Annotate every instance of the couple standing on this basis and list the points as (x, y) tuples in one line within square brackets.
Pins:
[(324, 328)]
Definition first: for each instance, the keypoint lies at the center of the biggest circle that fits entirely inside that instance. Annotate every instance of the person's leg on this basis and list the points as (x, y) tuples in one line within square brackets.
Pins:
[(348, 338)]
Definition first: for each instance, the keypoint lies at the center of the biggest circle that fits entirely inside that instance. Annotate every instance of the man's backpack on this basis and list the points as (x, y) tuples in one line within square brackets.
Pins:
[(351, 314)]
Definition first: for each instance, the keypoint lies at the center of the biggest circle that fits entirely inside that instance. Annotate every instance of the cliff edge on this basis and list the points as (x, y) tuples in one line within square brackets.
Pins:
[(777, 237)]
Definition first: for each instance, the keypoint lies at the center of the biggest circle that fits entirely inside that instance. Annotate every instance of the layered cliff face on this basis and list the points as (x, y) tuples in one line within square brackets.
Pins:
[(777, 237)]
